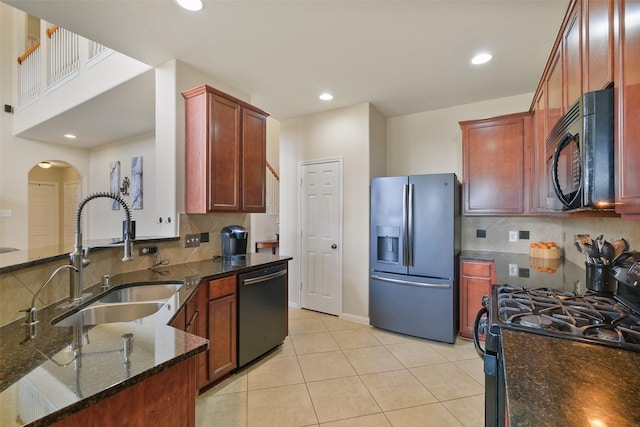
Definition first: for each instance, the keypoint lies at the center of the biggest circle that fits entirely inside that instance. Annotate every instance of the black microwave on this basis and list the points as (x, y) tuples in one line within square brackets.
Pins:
[(580, 155)]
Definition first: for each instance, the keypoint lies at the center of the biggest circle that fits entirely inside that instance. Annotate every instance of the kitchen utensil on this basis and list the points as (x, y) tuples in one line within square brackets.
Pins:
[(607, 253), (619, 246)]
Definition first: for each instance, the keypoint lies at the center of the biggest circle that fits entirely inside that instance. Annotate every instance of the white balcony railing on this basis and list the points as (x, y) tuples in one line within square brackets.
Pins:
[(62, 56), (273, 191)]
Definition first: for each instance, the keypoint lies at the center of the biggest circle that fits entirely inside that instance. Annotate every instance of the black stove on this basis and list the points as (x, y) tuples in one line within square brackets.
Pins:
[(592, 317), (606, 319)]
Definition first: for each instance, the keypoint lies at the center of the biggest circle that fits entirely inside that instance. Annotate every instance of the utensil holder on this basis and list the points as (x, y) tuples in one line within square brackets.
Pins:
[(599, 278)]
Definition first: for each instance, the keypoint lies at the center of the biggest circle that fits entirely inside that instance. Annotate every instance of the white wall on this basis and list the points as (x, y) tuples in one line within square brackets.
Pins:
[(19, 155), (428, 142), (338, 133), (431, 141), (98, 217)]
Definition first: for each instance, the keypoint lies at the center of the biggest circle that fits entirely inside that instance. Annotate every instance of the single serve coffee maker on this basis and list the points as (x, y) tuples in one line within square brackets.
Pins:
[(234, 244)]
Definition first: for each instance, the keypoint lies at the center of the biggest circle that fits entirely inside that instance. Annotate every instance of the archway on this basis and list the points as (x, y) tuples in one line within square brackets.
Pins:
[(54, 193)]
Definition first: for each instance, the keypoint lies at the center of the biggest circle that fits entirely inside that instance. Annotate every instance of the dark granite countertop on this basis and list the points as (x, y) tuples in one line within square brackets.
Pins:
[(522, 270), (43, 380), (558, 382)]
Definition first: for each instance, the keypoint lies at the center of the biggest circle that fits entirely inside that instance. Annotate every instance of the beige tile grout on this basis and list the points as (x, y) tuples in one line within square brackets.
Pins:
[(434, 347)]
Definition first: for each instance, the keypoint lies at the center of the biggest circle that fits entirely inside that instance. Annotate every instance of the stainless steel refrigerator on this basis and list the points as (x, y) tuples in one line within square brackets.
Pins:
[(414, 248)]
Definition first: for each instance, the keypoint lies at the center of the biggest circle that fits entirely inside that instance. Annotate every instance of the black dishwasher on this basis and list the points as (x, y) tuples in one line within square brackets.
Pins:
[(262, 311)]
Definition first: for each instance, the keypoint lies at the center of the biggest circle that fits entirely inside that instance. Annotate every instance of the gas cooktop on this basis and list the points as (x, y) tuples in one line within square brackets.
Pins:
[(592, 317)]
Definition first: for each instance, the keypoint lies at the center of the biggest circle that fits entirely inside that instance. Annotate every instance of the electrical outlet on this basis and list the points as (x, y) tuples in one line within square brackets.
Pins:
[(204, 237), (523, 234), (192, 240), (147, 250), (480, 233), (513, 236), (513, 270)]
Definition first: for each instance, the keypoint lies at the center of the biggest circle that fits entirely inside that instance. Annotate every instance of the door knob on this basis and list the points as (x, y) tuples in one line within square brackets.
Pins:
[(334, 246)]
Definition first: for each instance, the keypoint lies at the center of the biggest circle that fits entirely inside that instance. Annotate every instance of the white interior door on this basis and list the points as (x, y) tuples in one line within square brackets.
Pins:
[(71, 200), (321, 236), (43, 214)]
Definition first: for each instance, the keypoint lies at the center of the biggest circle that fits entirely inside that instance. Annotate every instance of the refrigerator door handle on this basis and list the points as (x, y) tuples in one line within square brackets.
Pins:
[(409, 282), (410, 230), (405, 248)]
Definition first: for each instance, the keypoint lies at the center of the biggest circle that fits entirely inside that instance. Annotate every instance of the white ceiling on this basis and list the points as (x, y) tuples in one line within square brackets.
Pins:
[(402, 56)]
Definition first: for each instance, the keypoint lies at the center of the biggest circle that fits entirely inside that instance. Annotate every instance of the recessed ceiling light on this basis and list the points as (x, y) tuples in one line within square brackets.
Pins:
[(326, 96), (70, 136), (192, 5), (481, 58), (44, 165)]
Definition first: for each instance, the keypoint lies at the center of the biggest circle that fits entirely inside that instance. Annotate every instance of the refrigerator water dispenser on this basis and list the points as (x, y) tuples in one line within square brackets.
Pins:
[(388, 247)]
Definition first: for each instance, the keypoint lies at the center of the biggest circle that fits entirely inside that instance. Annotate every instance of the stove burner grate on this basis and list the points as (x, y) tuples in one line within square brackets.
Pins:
[(565, 314)]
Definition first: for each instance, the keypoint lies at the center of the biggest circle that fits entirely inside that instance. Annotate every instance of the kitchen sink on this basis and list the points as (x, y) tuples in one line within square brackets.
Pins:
[(140, 292), (111, 313), (124, 303)]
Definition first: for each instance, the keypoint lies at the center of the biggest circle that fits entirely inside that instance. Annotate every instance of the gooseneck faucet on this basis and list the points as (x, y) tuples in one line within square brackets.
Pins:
[(79, 260)]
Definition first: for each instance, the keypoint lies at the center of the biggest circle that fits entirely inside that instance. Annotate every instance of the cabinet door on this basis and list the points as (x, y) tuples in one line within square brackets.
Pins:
[(628, 91), (224, 154), (476, 280), (222, 336), (197, 325), (554, 107), (572, 63), (254, 161), (493, 163), (538, 163), (598, 44)]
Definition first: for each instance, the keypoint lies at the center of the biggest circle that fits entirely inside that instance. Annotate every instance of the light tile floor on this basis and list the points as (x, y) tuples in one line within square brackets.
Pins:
[(332, 372)]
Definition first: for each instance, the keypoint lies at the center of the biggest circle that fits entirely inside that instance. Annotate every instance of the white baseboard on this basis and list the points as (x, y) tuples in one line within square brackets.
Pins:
[(294, 304), (354, 318)]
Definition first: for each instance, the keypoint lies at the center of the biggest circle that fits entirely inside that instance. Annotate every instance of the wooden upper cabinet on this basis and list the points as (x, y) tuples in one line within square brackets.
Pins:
[(225, 153), (554, 81), (627, 87), (254, 135), (598, 44), (494, 158), (572, 58), (538, 161)]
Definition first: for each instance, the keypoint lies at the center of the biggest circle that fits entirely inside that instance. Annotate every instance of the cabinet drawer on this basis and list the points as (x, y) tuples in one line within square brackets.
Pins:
[(222, 287), (478, 269)]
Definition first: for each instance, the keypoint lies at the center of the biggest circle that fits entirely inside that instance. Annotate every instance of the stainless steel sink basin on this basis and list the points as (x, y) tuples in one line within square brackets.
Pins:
[(111, 313), (124, 303), (141, 292)]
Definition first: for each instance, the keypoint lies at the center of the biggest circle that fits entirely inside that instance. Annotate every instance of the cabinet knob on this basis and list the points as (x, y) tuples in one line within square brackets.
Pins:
[(334, 246)]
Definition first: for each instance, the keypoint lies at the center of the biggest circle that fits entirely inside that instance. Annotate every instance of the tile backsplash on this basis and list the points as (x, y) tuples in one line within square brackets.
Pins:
[(560, 230), (18, 287)]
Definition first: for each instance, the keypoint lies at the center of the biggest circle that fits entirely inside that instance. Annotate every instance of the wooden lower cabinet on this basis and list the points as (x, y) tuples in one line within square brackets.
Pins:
[(211, 313), (222, 327), (476, 280), (165, 399)]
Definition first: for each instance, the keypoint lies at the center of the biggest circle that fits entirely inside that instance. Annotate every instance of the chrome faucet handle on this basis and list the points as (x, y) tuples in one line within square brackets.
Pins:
[(105, 282), (31, 316)]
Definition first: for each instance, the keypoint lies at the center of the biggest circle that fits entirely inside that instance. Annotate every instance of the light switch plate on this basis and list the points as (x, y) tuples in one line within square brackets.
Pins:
[(513, 236), (192, 240), (513, 270)]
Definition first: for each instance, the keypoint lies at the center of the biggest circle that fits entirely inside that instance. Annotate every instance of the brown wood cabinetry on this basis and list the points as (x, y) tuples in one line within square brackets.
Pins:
[(476, 280), (627, 85), (572, 58), (598, 44), (211, 313), (225, 153), (222, 327), (167, 398), (495, 156)]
